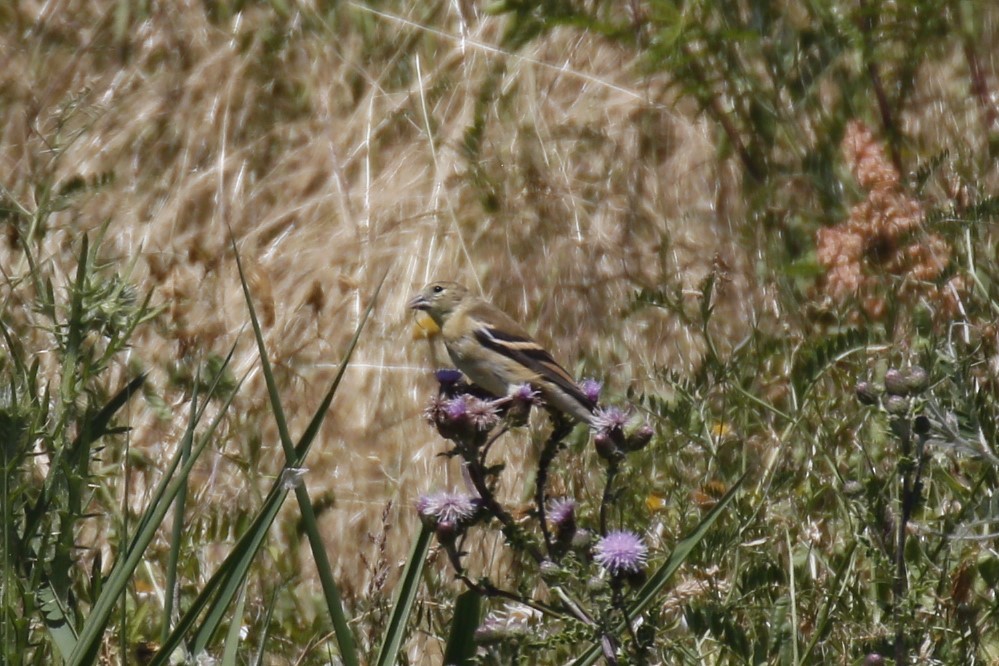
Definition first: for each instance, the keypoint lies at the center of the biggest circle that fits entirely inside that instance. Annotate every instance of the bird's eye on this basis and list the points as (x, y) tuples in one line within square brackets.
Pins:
[(438, 289)]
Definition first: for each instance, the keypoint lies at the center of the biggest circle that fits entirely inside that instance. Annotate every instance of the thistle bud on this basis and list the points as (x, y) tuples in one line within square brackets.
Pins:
[(896, 405), (639, 438), (606, 446), (917, 379), (895, 383), (867, 393)]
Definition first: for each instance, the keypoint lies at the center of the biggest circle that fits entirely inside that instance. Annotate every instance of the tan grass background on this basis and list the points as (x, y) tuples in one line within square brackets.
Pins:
[(331, 142)]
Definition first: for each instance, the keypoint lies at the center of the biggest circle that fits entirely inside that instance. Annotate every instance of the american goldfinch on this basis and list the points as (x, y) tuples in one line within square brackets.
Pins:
[(494, 352)]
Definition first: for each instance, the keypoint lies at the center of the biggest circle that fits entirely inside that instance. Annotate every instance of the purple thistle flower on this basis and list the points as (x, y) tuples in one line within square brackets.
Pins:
[(621, 552), (434, 411), (482, 413), (591, 389), (611, 418), (456, 409), (562, 514), (525, 393), (446, 507)]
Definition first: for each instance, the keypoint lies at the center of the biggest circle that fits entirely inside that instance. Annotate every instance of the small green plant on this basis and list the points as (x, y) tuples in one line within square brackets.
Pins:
[(59, 431)]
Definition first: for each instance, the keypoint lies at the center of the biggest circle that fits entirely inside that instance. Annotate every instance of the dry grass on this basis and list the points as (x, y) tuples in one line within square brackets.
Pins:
[(333, 161)]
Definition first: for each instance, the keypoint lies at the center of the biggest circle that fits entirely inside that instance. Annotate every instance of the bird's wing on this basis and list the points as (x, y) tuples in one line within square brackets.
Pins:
[(513, 342)]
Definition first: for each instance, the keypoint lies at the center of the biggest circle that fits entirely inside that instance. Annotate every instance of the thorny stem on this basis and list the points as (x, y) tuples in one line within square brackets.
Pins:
[(477, 473), (548, 453), (617, 599), (499, 433), (487, 589), (909, 495), (612, 469)]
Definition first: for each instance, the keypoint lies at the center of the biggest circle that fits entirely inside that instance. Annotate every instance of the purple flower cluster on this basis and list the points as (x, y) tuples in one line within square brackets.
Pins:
[(462, 415)]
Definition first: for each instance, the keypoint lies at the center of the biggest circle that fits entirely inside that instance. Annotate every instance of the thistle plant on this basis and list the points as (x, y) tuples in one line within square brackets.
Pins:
[(563, 547), (901, 396)]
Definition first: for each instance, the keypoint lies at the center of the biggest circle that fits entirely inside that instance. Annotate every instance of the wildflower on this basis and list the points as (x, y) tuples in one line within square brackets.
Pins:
[(581, 541), (917, 379), (895, 382), (445, 507), (656, 500), (897, 405), (607, 447), (456, 409), (591, 389), (434, 411), (562, 515), (621, 553), (611, 418), (450, 382), (867, 393), (884, 236), (525, 393), (638, 438), (521, 399), (482, 413)]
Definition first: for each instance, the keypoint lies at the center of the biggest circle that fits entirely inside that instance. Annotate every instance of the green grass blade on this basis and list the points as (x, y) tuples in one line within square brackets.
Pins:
[(224, 583), (460, 649), (658, 581), (218, 593), (177, 534), (404, 598), (265, 630), (835, 592), (231, 649), (168, 488), (161, 488), (681, 552), (331, 592)]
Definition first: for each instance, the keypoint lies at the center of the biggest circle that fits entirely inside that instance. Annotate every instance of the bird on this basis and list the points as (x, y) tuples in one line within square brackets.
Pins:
[(495, 353)]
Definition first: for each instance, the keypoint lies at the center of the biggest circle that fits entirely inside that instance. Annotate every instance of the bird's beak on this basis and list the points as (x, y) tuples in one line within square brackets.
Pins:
[(418, 302)]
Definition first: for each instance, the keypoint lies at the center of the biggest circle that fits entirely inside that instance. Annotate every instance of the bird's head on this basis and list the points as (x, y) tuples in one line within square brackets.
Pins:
[(439, 300)]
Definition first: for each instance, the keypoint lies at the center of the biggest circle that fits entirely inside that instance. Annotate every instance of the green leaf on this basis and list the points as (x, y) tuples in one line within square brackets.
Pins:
[(57, 620), (404, 597), (814, 361)]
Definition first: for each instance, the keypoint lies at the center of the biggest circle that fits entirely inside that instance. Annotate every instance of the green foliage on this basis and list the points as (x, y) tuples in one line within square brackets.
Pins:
[(59, 427)]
